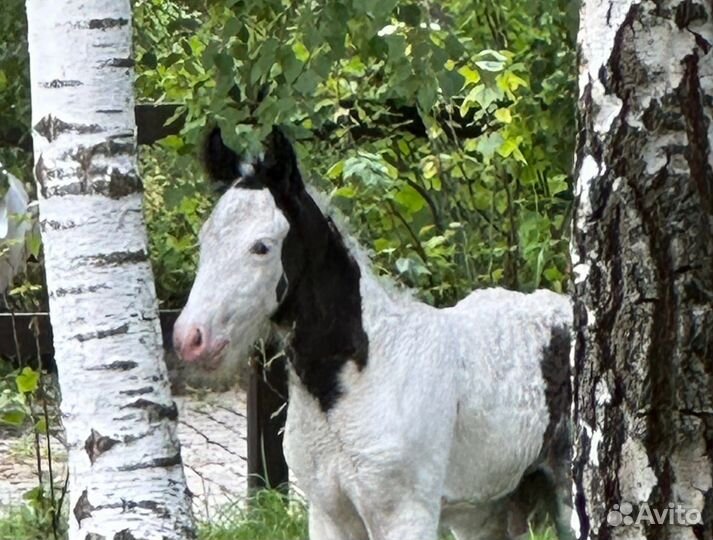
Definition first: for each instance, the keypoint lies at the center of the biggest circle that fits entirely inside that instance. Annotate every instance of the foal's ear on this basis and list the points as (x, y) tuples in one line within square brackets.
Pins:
[(279, 166), (222, 163)]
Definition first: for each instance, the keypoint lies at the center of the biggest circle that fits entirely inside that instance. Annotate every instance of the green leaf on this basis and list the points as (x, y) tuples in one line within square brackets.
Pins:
[(490, 65), (224, 63), (41, 425), (291, 66), (558, 184), (410, 199), (27, 380), (503, 114), (470, 75), (426, 95), (509, 146), (301, 52), (410, 14), (232, 27), (345, 192), (148, 59), (335, 171), (451, 82), (307, 82), (34, 243), (488, 145), (492, 54), (13, 417), (454, 47), (261, 68)]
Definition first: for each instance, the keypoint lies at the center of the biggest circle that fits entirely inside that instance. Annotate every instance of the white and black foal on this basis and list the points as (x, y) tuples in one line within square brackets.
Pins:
[(402, 417)]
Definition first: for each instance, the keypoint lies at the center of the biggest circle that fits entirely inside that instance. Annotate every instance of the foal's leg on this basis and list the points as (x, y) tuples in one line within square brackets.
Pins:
[(482, 522), (346, 527), (405, 520)]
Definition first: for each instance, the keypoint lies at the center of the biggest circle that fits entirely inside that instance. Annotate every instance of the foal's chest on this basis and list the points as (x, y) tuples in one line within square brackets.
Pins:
[(323, 465)]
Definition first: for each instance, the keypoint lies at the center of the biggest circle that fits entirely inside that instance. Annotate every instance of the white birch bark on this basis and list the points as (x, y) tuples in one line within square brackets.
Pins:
[(642, 255), (126, 476)]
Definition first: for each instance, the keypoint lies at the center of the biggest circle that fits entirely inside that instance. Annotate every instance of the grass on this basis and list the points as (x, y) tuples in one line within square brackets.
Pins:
[(269, 516), (23, 523)]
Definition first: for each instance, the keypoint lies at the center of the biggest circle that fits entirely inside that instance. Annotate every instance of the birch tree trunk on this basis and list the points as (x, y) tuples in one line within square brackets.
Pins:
[(642, 252), (126, 476)]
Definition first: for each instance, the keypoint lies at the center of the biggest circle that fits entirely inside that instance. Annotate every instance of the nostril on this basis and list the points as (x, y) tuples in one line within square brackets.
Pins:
[(196, 338)]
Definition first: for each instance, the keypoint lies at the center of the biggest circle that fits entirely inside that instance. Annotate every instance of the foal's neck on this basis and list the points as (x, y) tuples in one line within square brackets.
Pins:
[(322, 311)]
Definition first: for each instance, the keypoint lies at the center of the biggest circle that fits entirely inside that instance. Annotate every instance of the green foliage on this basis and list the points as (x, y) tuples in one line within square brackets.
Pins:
[(27, 522), (14, 90), (175, 204), (479, 197), (14, 409)]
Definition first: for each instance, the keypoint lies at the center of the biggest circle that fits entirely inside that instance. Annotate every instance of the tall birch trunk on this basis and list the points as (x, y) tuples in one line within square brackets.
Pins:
[(126, 475), (642, 252)]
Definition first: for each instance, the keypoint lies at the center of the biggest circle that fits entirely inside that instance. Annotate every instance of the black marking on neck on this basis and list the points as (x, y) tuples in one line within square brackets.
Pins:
[(319, 297), (322, 304)]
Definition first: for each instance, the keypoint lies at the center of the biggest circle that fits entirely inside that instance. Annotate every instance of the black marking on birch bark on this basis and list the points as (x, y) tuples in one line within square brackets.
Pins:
[(51, 127), (119, 258), (53, 225), (124, 535), (154, 507), (118, 63), (117, 186), (110, 111), (162, 462), (699, 147), (94, 178), (155, 411), (96, 444), (690, 11), (106, 23), (57, 83), (83, 509), (119, 365), (102, 179), (41, 175), (621, 83), (58, 293), (102, 334), (94, 536), (113, 145), (138, 391)]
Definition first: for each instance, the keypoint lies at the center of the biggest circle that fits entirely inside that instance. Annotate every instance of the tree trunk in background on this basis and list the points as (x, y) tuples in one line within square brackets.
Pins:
[(126, 476), (642, 252)]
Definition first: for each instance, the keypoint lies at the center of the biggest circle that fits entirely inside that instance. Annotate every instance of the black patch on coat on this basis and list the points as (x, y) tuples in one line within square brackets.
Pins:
[(556, 445), (320, 297)]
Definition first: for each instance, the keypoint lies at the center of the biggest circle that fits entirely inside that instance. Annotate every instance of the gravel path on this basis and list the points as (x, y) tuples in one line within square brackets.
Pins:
[(212, 430)]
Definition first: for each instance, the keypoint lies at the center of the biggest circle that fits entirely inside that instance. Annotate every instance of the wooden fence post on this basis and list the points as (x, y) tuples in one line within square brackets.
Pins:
[(267, 412)]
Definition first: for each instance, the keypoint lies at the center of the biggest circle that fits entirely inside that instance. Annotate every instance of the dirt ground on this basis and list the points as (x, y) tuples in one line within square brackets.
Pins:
[(212, 430)]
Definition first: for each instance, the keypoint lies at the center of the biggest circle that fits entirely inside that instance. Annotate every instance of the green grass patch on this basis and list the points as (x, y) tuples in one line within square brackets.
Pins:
[(24, 523), (268, 515)]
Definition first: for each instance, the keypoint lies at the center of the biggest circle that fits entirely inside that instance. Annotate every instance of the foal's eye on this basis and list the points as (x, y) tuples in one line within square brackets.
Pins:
[(259, 248)]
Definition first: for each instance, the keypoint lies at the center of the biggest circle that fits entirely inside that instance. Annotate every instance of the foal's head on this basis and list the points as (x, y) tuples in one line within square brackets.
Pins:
[(252, 247)]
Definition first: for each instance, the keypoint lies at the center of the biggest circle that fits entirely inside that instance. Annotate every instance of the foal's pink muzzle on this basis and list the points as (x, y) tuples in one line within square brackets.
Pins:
[(193, 343)]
